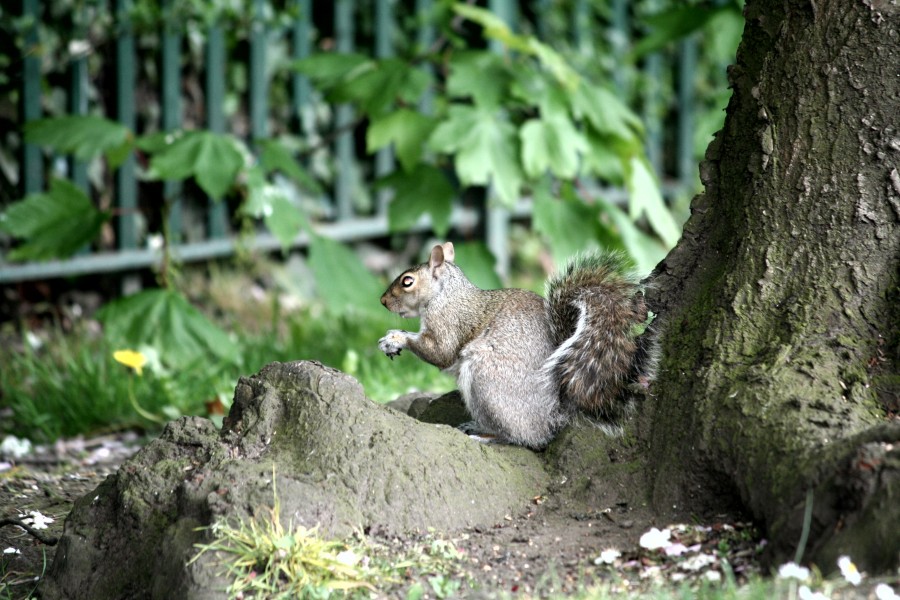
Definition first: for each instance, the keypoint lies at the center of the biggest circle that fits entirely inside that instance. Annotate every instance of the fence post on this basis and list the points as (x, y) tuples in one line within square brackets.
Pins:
[(497, 217), (126, 182), (344, 33), (217, 219), (653, 70), (687, 65), (78, 98), (32, 160), (384, 48), (619, 38), (171, 112), (425, 39), (301, 47), (581, 25), (259, 85)]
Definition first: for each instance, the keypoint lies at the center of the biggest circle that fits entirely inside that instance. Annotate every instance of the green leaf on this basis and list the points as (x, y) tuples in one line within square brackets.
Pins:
[(54, 224), (675, 24), (425, 190), (534, 88), (274, 156), (644, 249), (477, 262), (163, 319), (376, 89), (267, 202), (341, 279), (606, 155), (555, 63), (154, 143), (723, 34), (407, 129), (485, 149), (551, 144), (646, 199), (606, 112), (84, 136), (494, 27), (327, 69), (284, 221), (568, 225), (212, 159), (480, 75)]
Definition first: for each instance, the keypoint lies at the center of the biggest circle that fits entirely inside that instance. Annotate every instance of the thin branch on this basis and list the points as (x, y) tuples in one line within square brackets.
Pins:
[(44, 539)]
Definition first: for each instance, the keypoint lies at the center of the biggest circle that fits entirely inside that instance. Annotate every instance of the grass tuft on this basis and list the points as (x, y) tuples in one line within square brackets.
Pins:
[(261, 558)]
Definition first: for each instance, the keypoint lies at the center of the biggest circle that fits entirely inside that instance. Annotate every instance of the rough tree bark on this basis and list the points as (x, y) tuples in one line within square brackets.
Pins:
[(780, 305)]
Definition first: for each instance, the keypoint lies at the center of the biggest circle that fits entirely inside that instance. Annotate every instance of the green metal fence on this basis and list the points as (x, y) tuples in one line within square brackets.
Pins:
[(346, 222)]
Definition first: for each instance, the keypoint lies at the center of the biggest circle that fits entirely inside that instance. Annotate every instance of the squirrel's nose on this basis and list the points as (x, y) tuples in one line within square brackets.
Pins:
[(384, 301)]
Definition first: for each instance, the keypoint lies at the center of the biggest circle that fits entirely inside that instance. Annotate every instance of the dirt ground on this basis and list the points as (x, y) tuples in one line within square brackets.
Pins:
[(544, 550)]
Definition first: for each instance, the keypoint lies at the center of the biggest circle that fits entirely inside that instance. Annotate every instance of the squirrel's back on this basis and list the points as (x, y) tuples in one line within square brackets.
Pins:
[(598, 319)]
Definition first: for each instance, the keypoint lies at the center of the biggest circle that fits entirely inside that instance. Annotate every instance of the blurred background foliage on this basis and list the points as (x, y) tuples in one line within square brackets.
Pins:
[(480, 112)]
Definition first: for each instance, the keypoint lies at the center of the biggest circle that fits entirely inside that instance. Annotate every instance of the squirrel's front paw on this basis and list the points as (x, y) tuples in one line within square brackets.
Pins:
[(392, 343)]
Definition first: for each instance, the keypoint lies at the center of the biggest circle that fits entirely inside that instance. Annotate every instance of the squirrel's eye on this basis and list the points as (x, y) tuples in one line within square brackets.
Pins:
[(407, 281)]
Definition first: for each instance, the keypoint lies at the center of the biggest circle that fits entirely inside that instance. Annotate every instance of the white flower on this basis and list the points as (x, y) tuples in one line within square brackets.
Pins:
[(607, 557), (655, 539), (793, 571), (37, 520), (849, 570), (804, 593), (713, 576), (884, 592), (12, 550)]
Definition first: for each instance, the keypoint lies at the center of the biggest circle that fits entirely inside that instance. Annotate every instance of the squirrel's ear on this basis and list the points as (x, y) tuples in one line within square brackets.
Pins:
[(437, 257), (449, 252)]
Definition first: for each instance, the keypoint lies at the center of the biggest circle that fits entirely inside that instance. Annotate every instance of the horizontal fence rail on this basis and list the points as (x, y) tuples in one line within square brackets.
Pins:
[(344, 219)]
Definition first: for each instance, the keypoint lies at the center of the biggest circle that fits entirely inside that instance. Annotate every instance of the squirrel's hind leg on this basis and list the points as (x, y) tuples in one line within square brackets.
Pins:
[(513, 404), (478, 433)]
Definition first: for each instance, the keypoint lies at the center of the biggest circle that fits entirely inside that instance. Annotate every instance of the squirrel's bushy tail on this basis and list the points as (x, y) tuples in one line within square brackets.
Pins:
[(598, 317)]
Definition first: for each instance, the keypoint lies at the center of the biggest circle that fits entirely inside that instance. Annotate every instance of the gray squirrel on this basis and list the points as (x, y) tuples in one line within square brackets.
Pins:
[(526, 365)]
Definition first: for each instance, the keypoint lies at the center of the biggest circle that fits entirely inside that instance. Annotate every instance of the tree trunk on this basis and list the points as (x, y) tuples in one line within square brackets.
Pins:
[(780, 305)]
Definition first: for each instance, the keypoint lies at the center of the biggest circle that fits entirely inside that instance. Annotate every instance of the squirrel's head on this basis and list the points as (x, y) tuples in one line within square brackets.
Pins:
[(411, 292)]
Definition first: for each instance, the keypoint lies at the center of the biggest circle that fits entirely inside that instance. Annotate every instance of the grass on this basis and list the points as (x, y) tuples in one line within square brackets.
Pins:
[(263, 559), (71, 385), (15, 585)]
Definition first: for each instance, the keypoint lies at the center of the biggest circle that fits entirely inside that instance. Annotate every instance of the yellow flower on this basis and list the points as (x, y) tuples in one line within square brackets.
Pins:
[(132, 359)]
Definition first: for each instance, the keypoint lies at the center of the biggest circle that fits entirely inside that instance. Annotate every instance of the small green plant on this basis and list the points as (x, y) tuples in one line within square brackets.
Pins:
[(262, 557)]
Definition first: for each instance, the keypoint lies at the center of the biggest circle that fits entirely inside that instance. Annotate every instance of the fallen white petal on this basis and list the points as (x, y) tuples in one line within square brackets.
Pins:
[(804, 593), (655, 539), (675, 549), (792, 570), (607, 557), (695, 563)]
